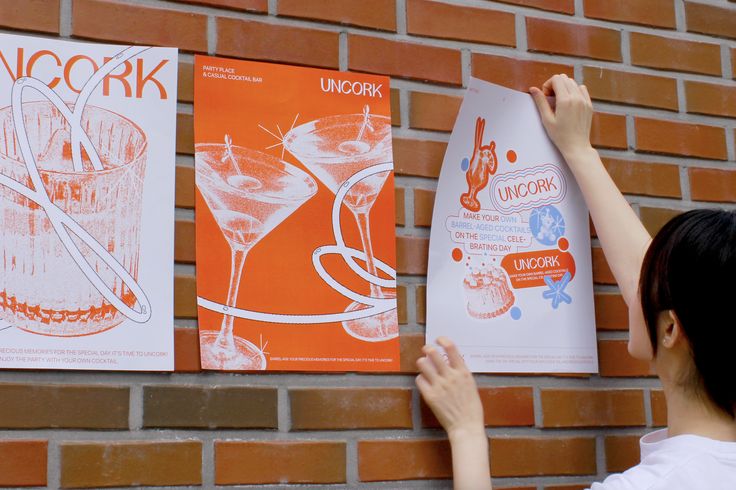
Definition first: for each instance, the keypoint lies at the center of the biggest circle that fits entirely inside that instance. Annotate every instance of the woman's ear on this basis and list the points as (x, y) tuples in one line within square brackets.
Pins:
[(670, 329)]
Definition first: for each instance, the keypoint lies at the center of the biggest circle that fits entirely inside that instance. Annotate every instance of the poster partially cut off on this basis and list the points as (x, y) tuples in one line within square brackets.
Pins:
[(86, 205), (295, 219), (509, 275)]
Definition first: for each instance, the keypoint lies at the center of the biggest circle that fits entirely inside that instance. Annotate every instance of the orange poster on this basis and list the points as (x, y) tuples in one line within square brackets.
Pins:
[(295, 218)]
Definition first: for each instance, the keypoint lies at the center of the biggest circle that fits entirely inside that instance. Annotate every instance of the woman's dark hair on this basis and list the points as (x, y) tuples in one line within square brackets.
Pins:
[(690, 268)]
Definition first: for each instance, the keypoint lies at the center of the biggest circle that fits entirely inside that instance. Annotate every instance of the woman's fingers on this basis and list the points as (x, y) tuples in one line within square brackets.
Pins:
[(427, 369), (453, 355), (438, 361), (584, 90)]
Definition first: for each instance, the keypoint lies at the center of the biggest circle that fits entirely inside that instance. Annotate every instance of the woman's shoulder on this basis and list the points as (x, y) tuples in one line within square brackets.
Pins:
[(678, 463)]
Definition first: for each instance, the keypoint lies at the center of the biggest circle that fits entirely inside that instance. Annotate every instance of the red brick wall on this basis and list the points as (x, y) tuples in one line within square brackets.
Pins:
[(662, 74)]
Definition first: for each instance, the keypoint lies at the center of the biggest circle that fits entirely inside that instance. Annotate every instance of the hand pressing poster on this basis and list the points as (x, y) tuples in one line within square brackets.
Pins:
[(510, 276), (295, 218), (86, 205)]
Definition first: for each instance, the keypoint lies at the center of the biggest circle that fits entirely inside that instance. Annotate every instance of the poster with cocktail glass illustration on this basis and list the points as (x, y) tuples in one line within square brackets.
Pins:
[(509, 276), (86, 205), (294, 218)]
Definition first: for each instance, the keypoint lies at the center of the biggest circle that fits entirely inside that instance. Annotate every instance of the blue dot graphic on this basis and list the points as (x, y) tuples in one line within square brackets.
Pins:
[(465, 164), (515, 312)]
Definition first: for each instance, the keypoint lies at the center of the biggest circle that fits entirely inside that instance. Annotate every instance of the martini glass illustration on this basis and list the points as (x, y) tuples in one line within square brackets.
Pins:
[(249, 193), (335, 148)]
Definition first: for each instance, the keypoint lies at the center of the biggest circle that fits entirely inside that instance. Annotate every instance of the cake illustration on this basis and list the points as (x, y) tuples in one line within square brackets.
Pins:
[(487, 292)]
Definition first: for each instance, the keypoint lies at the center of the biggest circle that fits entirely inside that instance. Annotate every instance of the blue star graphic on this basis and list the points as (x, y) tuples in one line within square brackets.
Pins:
[(556, 291)]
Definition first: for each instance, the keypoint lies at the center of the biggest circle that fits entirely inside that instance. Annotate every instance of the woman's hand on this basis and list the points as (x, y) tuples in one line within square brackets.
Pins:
[(568, 124), (450, 391)]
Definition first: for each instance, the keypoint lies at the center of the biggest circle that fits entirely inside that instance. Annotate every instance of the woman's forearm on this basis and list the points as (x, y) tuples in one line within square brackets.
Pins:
[(622, 235)]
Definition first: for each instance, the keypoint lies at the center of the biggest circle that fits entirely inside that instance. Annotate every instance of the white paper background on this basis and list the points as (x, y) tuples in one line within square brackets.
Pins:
[(543, 339), (128, 346)]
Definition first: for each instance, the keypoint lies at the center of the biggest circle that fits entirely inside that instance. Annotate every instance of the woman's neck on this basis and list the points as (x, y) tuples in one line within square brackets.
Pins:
[(688, 414)]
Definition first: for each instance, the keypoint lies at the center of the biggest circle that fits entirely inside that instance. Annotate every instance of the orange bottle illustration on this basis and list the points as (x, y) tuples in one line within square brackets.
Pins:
[(483, 164)]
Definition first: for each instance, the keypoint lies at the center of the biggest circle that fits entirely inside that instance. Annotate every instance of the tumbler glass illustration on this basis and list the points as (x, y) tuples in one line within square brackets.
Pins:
[(335, 148), (249, 193), (42, 289)]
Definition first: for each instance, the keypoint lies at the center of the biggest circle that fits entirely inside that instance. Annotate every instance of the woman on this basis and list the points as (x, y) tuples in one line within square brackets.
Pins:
[(679, 288)]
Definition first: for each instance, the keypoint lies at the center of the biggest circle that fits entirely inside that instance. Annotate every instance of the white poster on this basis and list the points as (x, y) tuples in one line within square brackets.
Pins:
[(510, 276), (87, 141)]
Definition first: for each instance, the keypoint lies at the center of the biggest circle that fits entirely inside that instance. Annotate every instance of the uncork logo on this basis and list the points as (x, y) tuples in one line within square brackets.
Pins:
[(349, 87)]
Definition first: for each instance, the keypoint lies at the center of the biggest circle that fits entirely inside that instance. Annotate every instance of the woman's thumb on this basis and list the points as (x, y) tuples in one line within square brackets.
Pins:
[(545, 111)]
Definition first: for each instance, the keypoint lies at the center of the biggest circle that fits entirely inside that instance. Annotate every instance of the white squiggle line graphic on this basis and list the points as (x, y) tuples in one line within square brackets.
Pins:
[(376, 306), (63, 223)]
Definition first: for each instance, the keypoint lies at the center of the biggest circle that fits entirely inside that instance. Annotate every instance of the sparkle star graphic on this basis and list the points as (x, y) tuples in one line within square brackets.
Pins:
[(556, 291)]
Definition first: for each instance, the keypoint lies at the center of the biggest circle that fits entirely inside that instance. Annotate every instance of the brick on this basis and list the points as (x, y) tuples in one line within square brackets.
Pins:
[(502, 407), (611, 312), (445, 21), (710, 98), (655, 218), (601, 271), (259, 6), (30, 15), (272, 42), (421, 158), (435, 112), (404, 60), (186, 350), (421, 299), (185, 134), (631, 88), (401, 305), (614, 361), (411, 349), (400, 199), (657, 13), (551, 36), (377, 14), (563, 6), (122, 22), (184, 241), (645, 179), (608, 131), (251, 463), (350, 408), (710, 19), (185, 82), (592, 408), (622, 452), (678, 138), (185, 296), (209, 408), (423, 206), (412, 254), (536, 456), (410, 459), (395, 107), (127, 464), (39, 406), (733, 62), (23, 463), (515, 73), (184, 187), (669, 53), (659, 408), (713, 185)]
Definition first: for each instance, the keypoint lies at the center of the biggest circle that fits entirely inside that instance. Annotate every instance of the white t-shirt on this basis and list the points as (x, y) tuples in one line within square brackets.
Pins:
[(684, 462)]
